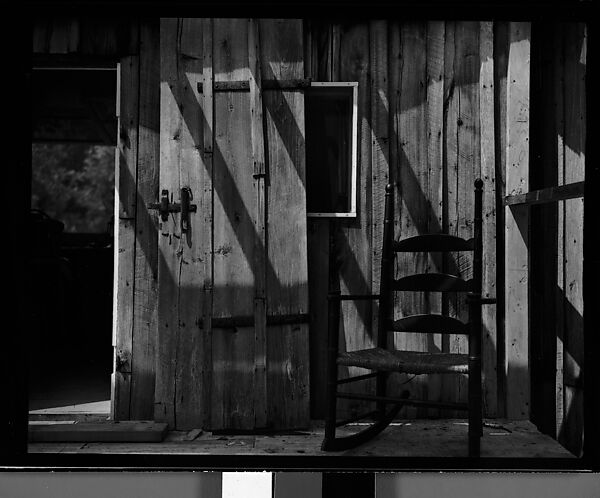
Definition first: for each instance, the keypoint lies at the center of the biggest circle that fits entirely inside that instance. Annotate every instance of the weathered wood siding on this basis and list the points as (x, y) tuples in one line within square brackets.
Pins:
[(424, 97), (246, 167), (434, 105)]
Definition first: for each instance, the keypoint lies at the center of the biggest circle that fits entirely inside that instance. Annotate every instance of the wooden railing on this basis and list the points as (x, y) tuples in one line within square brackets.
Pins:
[(546, 195)]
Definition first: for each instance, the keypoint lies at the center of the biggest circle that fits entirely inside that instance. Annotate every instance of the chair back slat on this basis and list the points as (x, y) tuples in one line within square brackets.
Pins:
[(433, 282), (434, 324), (438, 242)]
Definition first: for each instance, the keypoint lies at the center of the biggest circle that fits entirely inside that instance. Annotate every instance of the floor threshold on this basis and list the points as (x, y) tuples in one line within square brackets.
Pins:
[(410, 438)]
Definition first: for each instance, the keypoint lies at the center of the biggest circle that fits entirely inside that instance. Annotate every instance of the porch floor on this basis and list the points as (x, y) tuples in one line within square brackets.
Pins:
[(414, 438)]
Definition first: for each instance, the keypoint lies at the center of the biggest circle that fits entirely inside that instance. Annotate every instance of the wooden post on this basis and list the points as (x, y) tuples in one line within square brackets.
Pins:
[(475, 398), (517, 224), (125, 211)]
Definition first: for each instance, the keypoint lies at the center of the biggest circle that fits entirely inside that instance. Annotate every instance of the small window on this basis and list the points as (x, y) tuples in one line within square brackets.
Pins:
[(331, 138)]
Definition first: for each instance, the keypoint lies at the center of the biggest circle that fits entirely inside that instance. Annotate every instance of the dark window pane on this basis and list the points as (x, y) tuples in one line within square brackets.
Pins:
[(328, 141)]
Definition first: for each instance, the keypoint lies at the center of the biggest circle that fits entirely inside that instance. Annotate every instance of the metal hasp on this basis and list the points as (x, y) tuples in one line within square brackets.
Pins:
[(184, 207)]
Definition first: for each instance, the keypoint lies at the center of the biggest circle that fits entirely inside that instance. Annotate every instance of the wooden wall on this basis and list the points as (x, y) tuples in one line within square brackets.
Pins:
[(426, 123), (432, 118)]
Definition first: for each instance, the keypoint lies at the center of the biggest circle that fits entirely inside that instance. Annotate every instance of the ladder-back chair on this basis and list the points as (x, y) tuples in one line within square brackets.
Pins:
[(382, 359)]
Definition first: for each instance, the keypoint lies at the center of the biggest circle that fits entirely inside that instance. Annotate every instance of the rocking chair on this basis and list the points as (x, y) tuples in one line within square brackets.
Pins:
[(382, 360)]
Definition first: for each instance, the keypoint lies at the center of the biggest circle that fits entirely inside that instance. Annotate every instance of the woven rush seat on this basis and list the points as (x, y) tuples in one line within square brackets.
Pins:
[(412, 362)]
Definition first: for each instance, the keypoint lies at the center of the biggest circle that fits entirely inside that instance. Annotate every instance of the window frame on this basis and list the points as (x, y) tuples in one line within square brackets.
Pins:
[(352, 213)]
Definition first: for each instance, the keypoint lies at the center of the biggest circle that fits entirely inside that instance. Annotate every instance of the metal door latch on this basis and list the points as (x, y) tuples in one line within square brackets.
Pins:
[(184, 207)]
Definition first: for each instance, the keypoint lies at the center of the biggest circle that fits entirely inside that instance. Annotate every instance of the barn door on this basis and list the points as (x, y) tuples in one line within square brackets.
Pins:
[(233, 334)]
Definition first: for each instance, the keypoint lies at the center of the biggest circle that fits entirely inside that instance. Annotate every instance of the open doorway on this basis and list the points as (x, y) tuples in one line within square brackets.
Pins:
[(74, 130)]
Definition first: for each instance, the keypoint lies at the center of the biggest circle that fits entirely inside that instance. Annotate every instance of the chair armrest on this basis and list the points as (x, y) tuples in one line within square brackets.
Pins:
[(482, 300)]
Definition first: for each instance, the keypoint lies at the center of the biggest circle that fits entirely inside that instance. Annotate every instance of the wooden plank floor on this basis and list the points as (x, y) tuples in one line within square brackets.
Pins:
[(416, 438)]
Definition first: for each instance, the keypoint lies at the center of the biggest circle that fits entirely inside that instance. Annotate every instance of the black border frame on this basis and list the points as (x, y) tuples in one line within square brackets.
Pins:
[(13, 452)]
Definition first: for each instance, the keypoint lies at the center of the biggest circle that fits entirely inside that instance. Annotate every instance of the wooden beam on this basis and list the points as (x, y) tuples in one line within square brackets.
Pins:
[(517, 224), (245, 85), (113, 432), (546, 195), (250, 320)]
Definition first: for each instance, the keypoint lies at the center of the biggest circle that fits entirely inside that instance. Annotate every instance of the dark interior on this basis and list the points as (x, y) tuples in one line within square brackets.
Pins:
[(71, 226)]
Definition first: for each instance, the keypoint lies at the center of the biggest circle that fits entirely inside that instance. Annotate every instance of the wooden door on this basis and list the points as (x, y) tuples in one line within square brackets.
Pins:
[(232, 348)]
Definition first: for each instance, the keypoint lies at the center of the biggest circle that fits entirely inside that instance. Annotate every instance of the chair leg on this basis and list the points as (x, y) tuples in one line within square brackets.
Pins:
[(475, 407), (474, 445), (330, 415)]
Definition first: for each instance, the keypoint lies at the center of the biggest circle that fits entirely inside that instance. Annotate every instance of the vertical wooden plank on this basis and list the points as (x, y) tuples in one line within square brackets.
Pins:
[(207, 149), (317, 255), (547, 44), (180, 353), (168, 267), (354, 236), (435, 150), (233, 232), (378, 41), (462, 166), (259, 263), (192, 176), (574, 142), (449, 193), (559, 112), (467, 78), (488, 175), (287, 275), (517, 223), (146, 257), (125, 207), (500, 72), (413, 187)]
